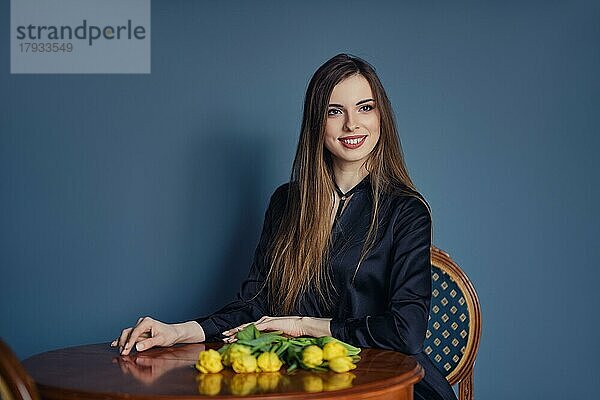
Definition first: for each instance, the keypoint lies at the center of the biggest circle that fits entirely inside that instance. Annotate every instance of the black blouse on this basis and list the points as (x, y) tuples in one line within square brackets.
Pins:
[(384, 303)]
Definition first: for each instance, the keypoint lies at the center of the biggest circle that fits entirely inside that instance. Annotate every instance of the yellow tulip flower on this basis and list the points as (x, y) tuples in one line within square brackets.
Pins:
[(209, 361), (244, 363), (269, 362), (312, 356), (341, 364), (333, 350), (235, 351)]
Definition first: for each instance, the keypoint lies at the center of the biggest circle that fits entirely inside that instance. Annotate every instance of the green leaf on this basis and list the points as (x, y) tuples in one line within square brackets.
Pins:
[(302, 341), (263, 339), (223, 349), (292, 367), (255, 331), (283, 347), (248, 333)]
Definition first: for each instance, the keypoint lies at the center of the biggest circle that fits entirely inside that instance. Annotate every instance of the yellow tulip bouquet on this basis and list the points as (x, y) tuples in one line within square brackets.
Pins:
[(268, 352)]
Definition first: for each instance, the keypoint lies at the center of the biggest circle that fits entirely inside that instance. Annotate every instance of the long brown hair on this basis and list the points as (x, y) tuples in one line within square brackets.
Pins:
[(299, 251)]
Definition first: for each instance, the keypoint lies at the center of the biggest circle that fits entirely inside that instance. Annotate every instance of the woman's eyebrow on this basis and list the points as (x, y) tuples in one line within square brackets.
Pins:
[(358, 104)]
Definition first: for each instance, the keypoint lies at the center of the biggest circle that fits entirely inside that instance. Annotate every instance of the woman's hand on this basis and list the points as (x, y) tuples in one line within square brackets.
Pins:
[(290, 325), (148, 333)]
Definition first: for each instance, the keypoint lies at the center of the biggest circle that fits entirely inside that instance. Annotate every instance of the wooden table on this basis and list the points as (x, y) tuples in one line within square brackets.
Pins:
[(97, 371)]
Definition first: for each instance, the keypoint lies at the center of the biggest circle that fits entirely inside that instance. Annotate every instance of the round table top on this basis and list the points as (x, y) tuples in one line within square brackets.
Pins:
[(98, 371)]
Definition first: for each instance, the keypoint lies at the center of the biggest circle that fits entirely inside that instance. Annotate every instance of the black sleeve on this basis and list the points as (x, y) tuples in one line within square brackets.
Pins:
[(402, 326), (251, 302)]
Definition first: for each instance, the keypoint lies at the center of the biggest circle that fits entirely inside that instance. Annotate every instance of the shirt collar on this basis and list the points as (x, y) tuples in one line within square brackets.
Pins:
[(363, 184)]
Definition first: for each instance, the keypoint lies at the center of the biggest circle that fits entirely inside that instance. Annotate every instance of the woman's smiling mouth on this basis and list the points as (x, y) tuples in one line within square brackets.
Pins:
[(352, 142)]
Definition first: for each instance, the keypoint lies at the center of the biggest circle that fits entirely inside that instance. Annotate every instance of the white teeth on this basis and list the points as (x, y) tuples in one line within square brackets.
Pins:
[(353, 141)]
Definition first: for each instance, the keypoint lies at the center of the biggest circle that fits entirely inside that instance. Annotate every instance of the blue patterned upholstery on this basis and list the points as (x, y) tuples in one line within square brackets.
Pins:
[(448, 329)]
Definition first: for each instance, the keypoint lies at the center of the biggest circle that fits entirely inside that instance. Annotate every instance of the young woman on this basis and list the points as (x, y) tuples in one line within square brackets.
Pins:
[(345, 245)]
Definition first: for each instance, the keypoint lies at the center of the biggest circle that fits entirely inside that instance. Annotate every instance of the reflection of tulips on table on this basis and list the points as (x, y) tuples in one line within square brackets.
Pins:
[(226, 382), (258, 357), (318, 382)]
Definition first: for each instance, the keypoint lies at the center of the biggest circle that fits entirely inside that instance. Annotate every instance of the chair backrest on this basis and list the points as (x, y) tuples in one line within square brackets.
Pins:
[(454, 329), (15, 382)]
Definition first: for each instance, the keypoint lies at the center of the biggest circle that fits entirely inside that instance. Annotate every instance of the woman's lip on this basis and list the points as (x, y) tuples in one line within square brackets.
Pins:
[(361, 141)]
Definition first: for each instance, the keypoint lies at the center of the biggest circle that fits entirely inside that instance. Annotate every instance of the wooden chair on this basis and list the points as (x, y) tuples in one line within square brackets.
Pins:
[(15, 382), (454, 329)]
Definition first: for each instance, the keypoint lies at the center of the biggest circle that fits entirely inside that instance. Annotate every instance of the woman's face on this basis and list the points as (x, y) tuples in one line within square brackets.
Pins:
[(352, 123)]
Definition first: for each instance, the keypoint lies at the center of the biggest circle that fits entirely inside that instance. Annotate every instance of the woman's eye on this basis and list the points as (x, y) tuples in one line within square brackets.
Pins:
[(367, 107), (333, 111)]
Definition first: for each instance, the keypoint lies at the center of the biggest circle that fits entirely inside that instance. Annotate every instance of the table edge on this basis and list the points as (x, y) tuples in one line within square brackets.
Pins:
[(410, 378)]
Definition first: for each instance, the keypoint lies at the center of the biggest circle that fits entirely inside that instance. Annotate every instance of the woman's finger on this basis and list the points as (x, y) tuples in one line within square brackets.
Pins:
[(288, 325), (149, 343), (141, 328), (124, 336), (257, 323), (144, 326), (144, 335), (115, 342), (265, 326), (233, 331)]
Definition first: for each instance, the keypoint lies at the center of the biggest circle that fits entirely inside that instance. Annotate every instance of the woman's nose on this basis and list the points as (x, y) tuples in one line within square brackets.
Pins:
[(350, 124)]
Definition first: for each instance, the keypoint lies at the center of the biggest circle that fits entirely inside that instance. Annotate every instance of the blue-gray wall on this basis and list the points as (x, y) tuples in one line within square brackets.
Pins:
[(127, 195)]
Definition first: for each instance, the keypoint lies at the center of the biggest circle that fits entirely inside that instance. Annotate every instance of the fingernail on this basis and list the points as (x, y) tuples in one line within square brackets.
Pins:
[(139, 346)]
